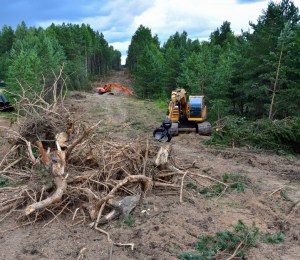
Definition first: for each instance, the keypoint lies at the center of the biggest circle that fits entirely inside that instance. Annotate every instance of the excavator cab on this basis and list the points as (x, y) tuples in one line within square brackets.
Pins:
[(195, 107)]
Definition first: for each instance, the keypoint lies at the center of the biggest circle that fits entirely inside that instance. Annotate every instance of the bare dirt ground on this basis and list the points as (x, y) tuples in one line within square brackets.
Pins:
[(162, 226)]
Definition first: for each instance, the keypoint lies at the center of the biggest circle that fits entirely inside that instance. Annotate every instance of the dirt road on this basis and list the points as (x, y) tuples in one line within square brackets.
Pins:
[(161, 227)]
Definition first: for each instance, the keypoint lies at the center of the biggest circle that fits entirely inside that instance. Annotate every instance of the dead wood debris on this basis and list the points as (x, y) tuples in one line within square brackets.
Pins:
[(59, 166)]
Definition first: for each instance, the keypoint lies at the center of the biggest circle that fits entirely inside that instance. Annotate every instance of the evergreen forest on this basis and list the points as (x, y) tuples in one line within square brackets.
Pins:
[(255, 74), (250, 77), (251, 81), (33, 56)]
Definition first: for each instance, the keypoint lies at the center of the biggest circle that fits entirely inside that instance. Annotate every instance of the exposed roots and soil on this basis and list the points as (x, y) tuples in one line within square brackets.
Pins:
[(66, 176), (60, 166)]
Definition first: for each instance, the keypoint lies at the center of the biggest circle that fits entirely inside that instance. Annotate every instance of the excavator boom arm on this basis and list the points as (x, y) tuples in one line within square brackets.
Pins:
[(107, 88)]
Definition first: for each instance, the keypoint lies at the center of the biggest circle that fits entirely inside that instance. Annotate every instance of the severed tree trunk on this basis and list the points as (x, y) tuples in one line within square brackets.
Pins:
[(161, 160), (55, 163)]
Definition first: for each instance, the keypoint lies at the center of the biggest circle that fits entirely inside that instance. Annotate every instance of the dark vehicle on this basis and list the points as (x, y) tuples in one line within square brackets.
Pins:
[(5, 106)]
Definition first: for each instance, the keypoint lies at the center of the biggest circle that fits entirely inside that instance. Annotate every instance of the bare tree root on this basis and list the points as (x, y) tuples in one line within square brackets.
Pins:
[(61, 185)]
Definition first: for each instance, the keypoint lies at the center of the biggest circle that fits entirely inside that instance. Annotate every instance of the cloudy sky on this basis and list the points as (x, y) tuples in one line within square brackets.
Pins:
[(119, 19)]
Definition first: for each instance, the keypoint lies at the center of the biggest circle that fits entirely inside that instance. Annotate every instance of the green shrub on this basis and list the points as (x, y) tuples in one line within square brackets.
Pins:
[(235, 182), (129, 220), (213, 190), (284, 196), (3, 182), (224, 241), (278, 135), (273, 238)]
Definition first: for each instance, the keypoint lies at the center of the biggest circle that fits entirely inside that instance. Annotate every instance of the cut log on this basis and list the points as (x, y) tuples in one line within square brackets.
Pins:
[(162, 157), (55, 163)]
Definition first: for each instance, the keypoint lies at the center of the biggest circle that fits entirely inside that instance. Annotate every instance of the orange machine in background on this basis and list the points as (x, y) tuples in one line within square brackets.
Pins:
[(107, 89)]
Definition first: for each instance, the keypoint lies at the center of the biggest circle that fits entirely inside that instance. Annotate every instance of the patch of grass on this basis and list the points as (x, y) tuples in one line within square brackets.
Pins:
[(213, 190), (161, 104), (189, 256), (138, 126), (255, 188), (281, 152), (3, 182), (284, 195), (11, 116), (129, 220), (225, 241), (191, 186), (273, 238), (236, 181), (97, 110)]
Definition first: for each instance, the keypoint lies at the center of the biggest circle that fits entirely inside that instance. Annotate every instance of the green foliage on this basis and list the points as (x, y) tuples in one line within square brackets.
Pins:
[(236, 73), (189, 256), (161, 103), (273, 238), (284, 195), (223, 35), (148, 72), (264, 133), (191, 186), (213, 190), (3, 182), (234, 181), (129, 220), (225, 241), (33, 56), (141, 39)]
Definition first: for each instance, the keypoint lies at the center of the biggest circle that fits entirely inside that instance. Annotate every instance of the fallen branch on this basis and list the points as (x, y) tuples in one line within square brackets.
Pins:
[(181, 188), (293, 209), (235, 251), (146, 181), (11, 165), (275, 191), (81, 253), (77, 141), (61, 186)]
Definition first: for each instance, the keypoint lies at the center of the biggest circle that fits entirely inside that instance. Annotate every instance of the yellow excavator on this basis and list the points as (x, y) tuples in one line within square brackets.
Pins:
[(183, 114)]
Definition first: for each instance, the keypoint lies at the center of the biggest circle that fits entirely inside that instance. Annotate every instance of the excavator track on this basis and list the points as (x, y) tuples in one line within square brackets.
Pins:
[(204, 128), (174, 129)]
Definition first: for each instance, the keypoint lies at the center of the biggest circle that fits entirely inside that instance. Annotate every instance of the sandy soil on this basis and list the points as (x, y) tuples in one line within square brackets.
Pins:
[(169, 227)]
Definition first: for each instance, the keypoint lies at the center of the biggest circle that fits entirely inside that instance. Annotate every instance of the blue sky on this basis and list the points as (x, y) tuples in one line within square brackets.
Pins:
[(119, 19)]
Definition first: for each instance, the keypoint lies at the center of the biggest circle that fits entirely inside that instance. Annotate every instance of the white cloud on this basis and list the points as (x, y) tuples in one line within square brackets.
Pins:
[(122, 47), (198, 17), (119, 19)]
